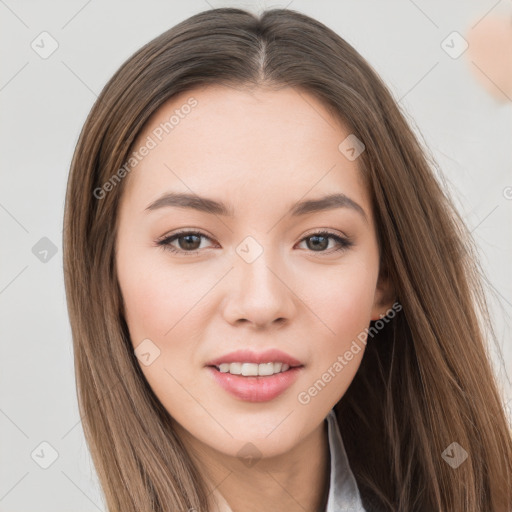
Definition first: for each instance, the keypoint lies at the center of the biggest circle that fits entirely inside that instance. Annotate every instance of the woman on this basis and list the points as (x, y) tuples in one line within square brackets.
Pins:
[(274, 304)]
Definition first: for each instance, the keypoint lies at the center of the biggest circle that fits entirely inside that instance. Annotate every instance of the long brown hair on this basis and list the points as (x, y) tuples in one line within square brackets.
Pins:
[(425, 381)]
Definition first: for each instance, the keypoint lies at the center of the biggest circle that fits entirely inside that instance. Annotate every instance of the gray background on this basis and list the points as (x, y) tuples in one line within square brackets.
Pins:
[(44, 103)]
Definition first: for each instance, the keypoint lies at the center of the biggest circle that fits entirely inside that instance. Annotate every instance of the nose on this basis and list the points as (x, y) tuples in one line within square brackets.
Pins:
[(260, 293)]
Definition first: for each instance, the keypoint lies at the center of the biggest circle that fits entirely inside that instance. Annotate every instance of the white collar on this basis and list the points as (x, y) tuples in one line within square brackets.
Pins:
[(343, 492)]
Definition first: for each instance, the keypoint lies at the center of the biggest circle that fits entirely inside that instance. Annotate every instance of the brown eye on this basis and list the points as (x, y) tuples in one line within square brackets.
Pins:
[(188, 242), (319, 242)]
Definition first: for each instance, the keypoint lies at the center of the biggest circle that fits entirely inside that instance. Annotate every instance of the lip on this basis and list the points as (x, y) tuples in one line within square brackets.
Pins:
[(256, 389), (248, 356)]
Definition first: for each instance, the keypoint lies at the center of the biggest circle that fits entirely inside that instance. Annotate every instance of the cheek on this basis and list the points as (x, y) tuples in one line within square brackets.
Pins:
[(157, 297), (164, 305), (343, 304), (343, 300), (353, 302)]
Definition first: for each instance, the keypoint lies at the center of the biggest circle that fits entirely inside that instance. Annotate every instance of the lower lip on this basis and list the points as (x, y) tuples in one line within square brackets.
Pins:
[(256, 389)]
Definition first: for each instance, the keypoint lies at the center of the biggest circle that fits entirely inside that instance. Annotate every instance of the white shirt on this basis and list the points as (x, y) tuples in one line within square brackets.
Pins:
[(343, 492)]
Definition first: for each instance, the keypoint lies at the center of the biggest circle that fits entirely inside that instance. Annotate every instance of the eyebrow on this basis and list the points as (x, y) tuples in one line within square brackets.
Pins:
[(213, 207)]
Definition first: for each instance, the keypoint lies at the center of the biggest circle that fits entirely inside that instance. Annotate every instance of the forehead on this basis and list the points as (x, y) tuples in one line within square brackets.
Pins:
[(246, 144)]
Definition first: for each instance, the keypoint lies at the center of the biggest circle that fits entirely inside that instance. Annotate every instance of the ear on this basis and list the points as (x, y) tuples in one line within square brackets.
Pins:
[(385, 295)]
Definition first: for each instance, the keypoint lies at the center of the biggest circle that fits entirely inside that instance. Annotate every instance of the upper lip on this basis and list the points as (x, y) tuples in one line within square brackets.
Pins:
[(248, 356)]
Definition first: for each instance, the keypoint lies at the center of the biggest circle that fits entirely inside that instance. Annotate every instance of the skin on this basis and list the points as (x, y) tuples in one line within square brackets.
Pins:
[(490, 55), (240, 147)]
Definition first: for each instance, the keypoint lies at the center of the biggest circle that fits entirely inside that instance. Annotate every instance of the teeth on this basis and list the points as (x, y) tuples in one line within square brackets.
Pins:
[(253, 369)]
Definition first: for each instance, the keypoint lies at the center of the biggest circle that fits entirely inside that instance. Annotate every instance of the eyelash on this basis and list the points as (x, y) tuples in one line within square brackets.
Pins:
[(164, 243)]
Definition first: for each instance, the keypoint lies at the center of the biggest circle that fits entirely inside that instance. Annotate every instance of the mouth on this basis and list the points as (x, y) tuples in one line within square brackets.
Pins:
[(247, 357), (254, 369), (250, 387), (255, 376)]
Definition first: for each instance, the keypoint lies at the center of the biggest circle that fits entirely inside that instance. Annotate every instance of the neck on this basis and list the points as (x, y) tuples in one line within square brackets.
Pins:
[(294, 481)]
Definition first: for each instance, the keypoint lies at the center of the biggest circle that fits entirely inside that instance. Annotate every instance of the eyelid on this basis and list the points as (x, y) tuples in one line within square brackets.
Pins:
[(330, 231), (344, 241), (186, 231), (197, 231)]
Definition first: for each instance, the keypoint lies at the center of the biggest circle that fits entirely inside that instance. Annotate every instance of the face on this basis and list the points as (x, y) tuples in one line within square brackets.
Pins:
[(259, 276)]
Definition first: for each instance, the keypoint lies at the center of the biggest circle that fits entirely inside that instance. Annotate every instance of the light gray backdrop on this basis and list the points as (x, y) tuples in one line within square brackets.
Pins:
[(45, 98)]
